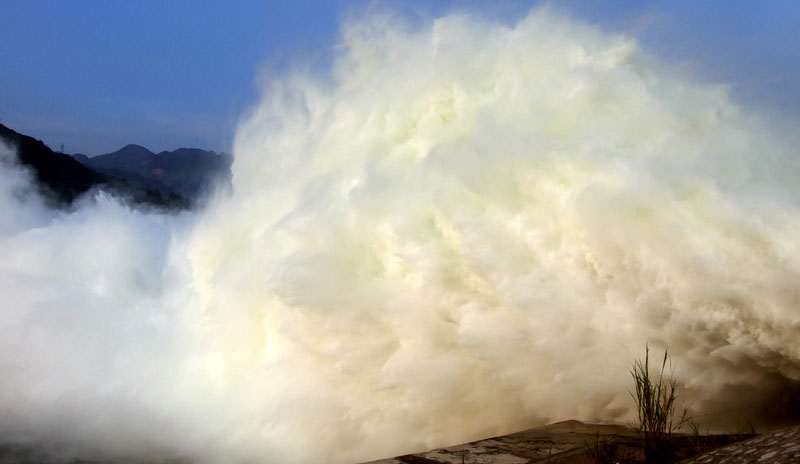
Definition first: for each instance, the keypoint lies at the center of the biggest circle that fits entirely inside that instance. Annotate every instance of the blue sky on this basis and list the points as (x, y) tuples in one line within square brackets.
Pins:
[(96, 75)]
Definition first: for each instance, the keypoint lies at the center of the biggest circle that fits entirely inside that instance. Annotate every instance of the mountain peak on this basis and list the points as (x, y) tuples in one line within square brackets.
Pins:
[(133, 150)]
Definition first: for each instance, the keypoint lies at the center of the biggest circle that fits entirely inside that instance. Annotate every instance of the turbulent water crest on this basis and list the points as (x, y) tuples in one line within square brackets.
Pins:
[(469, 229)]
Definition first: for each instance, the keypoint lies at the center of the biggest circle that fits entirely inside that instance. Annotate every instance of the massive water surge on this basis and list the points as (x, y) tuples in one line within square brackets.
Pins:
[(465, 229)]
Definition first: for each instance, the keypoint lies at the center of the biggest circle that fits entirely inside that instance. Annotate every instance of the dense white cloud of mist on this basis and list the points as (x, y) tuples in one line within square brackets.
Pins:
[(470, 229)]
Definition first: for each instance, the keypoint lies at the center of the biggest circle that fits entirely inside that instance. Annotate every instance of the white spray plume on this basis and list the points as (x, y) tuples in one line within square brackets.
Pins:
[(471, 229)]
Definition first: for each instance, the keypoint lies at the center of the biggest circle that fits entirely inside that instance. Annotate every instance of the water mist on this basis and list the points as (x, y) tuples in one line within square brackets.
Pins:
[(467, 229)]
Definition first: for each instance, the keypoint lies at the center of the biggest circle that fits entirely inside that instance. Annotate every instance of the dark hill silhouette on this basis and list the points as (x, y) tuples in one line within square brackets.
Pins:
[(188, 172), (60, 175), (62, 179), (128, 158)]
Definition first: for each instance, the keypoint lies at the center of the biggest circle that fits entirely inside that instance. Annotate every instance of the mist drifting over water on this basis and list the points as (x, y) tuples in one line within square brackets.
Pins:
[(471, 229)]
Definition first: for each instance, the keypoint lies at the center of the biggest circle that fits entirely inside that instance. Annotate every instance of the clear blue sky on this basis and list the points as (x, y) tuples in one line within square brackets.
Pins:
[(96, 75)]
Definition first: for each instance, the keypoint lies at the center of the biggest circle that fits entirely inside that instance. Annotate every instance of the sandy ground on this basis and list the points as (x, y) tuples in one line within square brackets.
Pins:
[(777, 447), (563, 442), (555, 441), (559, 443)]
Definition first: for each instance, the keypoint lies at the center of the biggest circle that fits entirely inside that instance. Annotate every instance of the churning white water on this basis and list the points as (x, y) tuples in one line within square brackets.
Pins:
[(469, 229)]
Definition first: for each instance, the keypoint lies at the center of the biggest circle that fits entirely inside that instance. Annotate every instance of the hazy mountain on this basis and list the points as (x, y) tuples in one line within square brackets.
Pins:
[(188, 172), (62, 179)]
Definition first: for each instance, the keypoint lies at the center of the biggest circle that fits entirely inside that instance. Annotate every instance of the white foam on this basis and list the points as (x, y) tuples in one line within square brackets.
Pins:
[(471, 229)]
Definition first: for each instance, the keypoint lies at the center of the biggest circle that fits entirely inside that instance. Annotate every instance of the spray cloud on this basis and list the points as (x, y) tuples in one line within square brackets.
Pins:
[(470, 229)]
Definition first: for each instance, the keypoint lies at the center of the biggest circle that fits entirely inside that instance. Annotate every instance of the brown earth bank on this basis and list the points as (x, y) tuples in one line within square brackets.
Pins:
[(558, 443), (578, 442)]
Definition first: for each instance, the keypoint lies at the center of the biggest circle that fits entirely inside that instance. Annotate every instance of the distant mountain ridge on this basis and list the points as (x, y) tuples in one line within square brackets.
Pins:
[(188, 172), (169, 180)]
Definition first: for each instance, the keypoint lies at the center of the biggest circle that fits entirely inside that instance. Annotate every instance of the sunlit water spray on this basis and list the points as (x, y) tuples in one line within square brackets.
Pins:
[(470, 229)]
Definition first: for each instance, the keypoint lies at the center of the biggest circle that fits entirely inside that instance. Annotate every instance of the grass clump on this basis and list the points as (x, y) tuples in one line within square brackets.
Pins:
[(601, 450), (655, 403), (744, 426)]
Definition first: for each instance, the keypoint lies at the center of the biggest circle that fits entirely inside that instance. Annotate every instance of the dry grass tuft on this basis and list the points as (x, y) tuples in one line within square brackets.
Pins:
[(655, 403)]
